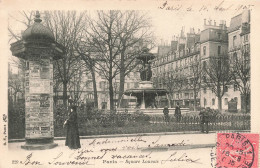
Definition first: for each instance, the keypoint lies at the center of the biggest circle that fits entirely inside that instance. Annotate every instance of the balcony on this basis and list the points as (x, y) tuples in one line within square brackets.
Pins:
[(235, 48)]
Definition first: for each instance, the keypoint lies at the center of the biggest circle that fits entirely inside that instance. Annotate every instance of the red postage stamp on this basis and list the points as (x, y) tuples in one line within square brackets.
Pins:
[(237, 150)]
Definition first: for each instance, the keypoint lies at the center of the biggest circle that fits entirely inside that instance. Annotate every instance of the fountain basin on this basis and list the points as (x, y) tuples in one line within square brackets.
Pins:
[(138, 92)]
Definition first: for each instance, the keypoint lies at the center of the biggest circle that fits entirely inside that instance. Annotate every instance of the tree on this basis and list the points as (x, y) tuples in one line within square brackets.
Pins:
[(87, 53), (25, 18), (66, 26), (104, 38), (217, 76), (241, 75), (134, 30), (115, 36), (76, 86), (169, 82), (16, 83), (195, 80)]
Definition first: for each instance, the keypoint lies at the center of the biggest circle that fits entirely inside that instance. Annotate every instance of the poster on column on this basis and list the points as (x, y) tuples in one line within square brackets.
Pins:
[(38, 129), (40, 86), (34, 70), (45, 69)]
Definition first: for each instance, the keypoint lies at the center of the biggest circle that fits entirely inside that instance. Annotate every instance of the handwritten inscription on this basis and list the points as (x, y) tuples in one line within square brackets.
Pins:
[(109, 141), (116, 151), (221, 6), (30, 161), (141, 156), (182, 158)]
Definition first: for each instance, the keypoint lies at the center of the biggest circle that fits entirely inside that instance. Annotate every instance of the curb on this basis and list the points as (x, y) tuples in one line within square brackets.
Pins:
[(132, 135)]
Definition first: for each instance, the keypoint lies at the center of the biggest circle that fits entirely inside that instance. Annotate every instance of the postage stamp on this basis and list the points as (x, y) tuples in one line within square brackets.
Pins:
[(237, 150)]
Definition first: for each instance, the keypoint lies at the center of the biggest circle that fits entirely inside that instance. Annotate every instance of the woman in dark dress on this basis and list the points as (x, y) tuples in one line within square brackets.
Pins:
[(72, 138)]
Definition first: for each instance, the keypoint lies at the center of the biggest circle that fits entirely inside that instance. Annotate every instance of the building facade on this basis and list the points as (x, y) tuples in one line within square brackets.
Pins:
[(176, 70), (179, 66)]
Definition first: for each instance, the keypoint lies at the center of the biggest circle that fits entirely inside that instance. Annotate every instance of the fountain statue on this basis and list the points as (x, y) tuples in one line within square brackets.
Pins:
[(146, 94)]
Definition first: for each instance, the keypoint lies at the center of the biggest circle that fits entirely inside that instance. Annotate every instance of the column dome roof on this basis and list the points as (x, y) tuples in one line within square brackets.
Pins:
[(38, 31)]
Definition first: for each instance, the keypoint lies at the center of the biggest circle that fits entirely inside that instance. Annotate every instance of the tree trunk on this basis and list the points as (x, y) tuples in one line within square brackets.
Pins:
[(111, 94), (195, 101), (121, 86), (220, 104), (94, 87), (122, 77), (15, 98), (245, 102), (55, 98), (65, 94)]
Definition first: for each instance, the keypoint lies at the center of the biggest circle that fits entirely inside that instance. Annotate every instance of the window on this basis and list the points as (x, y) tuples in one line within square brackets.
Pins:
[(235, 87), (212, 89), (204, 64), (136, 85), (226, 101), (246, 38), (219, 36), (235, 98), (186, 95), (219, 50), (191, 95), (225, 89), (100, 85), (234, 40), (205, 102), (235, 57), (204, 50), (27, 65), (205, 90), (213, 102)]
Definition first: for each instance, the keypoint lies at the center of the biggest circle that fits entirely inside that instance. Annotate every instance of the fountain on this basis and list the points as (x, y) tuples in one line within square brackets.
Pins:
[(146, 94)]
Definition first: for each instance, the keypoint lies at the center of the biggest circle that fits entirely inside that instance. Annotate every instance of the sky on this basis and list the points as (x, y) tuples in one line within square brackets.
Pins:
[(166, 23)]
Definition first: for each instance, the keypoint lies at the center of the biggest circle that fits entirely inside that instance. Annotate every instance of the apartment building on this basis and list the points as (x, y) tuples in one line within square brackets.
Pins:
[(176, 62)]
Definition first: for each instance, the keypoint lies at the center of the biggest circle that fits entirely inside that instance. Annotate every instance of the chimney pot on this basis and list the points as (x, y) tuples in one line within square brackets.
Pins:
[(210, 22)]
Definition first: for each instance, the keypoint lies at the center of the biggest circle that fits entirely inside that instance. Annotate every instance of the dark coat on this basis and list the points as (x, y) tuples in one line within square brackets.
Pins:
[(177, 111), (72, 138), (165, 111), (204, 116)]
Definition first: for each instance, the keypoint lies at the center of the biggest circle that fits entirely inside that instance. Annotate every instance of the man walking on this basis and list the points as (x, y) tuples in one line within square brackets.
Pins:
[(178, 112), (204, 119), (166, 114)]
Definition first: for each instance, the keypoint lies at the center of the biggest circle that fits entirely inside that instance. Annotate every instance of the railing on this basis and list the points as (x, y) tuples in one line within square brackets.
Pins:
[(216, 123), (156, 124)]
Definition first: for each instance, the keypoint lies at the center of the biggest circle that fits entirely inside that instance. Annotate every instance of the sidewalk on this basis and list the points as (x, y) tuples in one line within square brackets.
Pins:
[(124, 150), (166, 140)]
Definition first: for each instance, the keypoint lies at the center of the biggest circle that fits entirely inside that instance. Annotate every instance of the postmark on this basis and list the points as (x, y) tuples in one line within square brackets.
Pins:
[(238, 150)]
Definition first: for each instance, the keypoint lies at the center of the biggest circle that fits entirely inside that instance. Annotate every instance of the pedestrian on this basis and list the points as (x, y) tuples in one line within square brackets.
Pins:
[(72, 137), (166, 114), (204, 119), (178, 112)]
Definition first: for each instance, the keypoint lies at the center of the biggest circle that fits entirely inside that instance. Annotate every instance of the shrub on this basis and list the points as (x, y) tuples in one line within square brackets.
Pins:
[(114, 119), (140, 117)]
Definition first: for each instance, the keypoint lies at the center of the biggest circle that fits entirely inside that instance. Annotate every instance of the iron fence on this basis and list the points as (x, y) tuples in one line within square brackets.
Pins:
[(156, 124)]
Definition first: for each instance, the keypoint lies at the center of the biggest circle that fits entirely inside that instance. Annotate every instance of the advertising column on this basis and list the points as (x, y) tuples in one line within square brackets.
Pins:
[(39, 102)]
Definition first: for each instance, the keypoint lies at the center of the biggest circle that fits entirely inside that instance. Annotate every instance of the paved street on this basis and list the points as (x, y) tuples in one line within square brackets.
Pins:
[(153, 151)]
